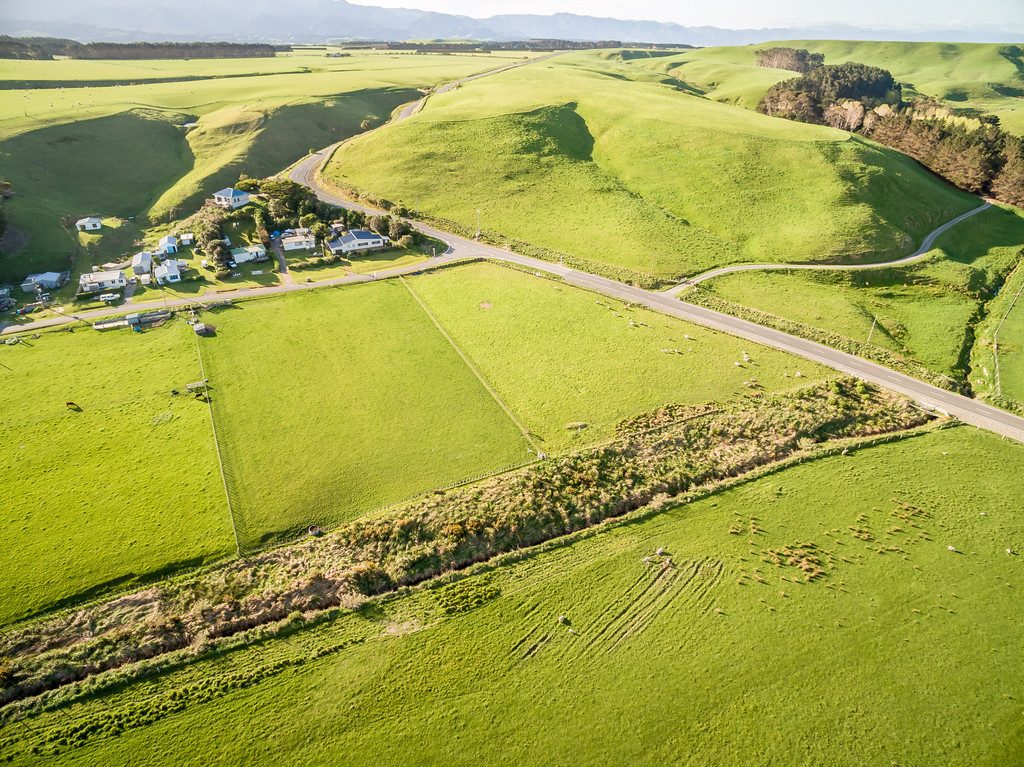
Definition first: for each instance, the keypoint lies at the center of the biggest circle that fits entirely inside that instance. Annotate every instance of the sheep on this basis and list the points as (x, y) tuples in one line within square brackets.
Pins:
[(951, 548), (561, 619), (659, 552)]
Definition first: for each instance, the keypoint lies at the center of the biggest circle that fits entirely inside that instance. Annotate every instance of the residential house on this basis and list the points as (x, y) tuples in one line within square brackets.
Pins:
[(249, 253), (44, 281), (231, 198), (169, 244), (98, 282), (298, 242), (88, 224), (358, 240), (168, 271), (142, 263), (186, 239)]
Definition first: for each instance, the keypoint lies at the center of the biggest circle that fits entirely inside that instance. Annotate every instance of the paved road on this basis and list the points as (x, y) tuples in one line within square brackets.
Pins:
[(915, 256)]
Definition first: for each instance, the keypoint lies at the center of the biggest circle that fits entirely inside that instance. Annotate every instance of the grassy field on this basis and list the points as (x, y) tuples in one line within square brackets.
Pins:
[(558, 355), (122, 150), (126, 486), (724, 658), (1004, 322), (600, 159), (365, 404), (974, 77), (924, 310)]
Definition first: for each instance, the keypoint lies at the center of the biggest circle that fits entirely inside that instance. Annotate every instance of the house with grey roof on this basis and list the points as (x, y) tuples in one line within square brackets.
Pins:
[(358, 240), (89, 224), (142, 263), (100, 281)]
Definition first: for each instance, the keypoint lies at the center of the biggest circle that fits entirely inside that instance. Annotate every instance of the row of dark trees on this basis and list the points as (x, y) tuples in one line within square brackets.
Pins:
[(48, 47), (972, 154), (795, 59)]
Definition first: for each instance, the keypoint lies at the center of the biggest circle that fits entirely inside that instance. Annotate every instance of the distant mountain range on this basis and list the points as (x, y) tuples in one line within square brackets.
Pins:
[(319, 21)]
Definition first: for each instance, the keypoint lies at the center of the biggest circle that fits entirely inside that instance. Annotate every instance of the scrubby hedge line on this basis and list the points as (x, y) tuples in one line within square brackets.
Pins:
[(654, 458), (832, 340)]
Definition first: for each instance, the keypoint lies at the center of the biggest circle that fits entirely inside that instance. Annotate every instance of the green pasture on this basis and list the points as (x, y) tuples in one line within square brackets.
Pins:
[(1004, 322), (124, 151), (975, 77), (575, 156), (364, 263), (124, 487), (901, 652), (558, 355), (924, 311), (334, 403)]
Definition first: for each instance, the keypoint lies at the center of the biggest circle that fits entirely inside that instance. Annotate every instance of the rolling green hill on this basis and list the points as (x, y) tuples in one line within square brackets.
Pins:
[(601, 159)]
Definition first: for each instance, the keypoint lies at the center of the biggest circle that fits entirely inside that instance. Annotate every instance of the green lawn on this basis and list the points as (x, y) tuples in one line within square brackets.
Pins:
[(558, 355), (333, 403), (126, 487), (902, 652), (599, 159), (924, 310)]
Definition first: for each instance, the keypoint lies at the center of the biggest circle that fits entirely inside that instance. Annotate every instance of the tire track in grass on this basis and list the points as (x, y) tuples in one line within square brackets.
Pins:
[(472, 367)]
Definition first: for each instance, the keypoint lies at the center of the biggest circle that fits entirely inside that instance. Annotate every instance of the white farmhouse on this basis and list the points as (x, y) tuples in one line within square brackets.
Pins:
[(97, 282), (231, 198), (358, 240), (142, 263), (169, 244), (249, 253), (298, 242), (168, 271), (88, 224)]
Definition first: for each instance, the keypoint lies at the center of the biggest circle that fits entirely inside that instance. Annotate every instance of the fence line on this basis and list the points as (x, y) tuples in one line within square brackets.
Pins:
[(472, 367), (216, 444), (995, 342)]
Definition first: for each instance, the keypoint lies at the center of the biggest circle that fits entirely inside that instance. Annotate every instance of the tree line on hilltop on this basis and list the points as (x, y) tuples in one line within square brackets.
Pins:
[(972, 153), (796, 59), (46, 48)]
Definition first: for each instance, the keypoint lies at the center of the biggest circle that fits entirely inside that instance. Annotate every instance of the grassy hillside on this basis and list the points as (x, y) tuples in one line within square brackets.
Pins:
[(974, 76), (121, 149), (125, 486), (924, 311), (575, 156), (729, 656)]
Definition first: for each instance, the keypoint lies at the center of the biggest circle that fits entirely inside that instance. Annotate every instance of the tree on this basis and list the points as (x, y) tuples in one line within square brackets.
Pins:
[(1008, 185), (248, 184), (218, 252), (397, 227), (365, 125), (379, 224), (308, 220), (321, 231)]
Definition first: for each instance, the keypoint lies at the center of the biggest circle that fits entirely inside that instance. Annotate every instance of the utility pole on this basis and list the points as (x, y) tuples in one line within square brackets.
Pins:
[(652, 266), (873, 322), (478, 223)]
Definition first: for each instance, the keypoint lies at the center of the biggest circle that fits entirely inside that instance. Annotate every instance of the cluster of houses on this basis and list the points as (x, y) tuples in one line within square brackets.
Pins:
[(161, 266)]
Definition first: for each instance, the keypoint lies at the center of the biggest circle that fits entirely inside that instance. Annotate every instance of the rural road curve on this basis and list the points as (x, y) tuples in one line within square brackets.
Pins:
[(915, 256)]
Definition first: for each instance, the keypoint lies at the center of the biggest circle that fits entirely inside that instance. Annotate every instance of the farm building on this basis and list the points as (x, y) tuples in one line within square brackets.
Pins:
[(97, 282), (88, 224), (142, 263), (298, 242), (249, 253), (168, 271), (358, 240), (169, 243), (231, 198), (45, 281)]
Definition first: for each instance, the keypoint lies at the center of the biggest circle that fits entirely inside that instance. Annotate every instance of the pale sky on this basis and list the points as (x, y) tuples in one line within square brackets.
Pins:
[(752, 14)]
